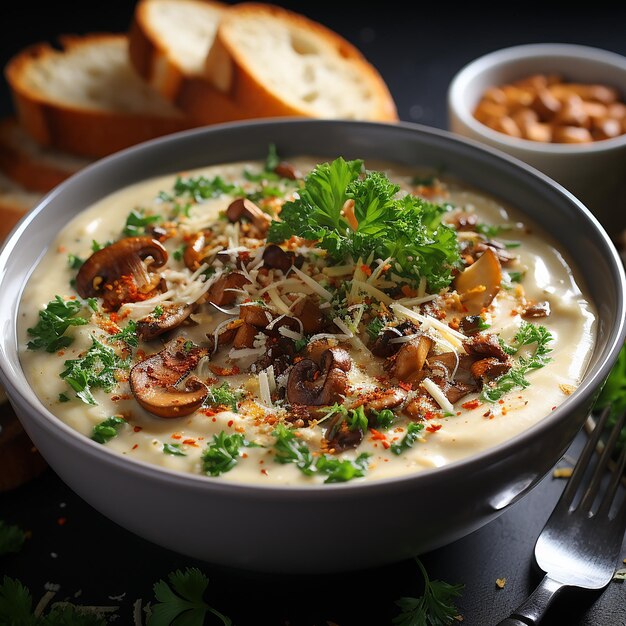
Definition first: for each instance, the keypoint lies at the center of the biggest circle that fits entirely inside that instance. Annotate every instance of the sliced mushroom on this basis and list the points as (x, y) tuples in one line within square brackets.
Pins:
[(287, 170), (244, 209), (256, 315), (173, 316), (383, 347), (153, 381), (244, 338), (454, 391), (471, 324), (484, 345), (195, 251), (309, 313), (479, 283), (387, 399), (122, 258), (539, 309), (489, 368), (219, 293), (326, 383), (274, 257), (411, 357)]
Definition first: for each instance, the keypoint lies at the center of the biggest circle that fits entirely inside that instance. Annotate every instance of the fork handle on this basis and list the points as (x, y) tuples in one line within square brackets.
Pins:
[(531, 612)]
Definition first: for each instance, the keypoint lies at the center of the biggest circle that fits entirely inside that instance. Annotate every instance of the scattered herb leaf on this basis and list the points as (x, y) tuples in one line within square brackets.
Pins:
[(385, 418), (613, 394), (222, 454), (492, 230), (107, 429), (75, 262), (175, 449), (340, 471), (413, 431), (137, 222), (223, 395), (201, 188), (516, 277), (11, 538), (291, 449), (128, 334)]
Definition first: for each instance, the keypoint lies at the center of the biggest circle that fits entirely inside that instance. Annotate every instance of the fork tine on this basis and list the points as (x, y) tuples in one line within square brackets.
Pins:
[(583, 460), (596, 480), (618, 470)]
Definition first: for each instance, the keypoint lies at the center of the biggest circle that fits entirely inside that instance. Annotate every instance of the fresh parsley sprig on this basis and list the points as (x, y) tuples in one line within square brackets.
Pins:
[(527, 335), (413, 432), (182, 600), (434, 608), (107, 429), (54, 321), (138, 221), (128, 334), (406, 229), (223, 396), (97, 368), (223, 453)]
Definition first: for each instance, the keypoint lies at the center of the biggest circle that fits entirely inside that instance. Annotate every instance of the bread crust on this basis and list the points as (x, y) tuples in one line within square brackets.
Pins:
[(229, 71), (76, 129), (34, 171)]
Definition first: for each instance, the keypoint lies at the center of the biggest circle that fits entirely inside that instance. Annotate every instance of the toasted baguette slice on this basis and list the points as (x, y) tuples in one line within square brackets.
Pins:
[(35, 168), (87, 99), (15, 202), (169, 41), (271, 61)]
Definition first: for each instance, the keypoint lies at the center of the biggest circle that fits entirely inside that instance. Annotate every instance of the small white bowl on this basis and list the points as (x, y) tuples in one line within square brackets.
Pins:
[(595, 172)]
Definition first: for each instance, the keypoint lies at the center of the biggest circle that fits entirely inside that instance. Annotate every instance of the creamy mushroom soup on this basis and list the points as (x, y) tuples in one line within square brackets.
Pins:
[(298, 323)]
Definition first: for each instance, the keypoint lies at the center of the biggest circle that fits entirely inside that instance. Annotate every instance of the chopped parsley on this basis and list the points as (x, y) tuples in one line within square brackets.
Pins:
[(96, 247), (175, 449), (384, 418), (106, 430), (75, 262), (179, 253), (413, 431), (182, 600), (434, 608), (49, 332), (158, 311), (407, 229), (128, 334), (222, 454), (528, 334), (375, 327), (11, 538), (493, 230), (137, 222), (201, 188), (357, 419), (63, 397), (516, 277), (223, 395), (290, 449), (95, 369), (272, 160)]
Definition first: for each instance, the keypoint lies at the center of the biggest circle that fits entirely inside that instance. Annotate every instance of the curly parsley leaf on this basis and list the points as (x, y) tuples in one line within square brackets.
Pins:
[(16, 603), (11, 538), (408, 230), (137, 222), (435, 608), (222, 454), (49, 332), (290, 449), (181, 601), (375, 327), (107, 429), (413, 432), (527, 335), (95, 369)]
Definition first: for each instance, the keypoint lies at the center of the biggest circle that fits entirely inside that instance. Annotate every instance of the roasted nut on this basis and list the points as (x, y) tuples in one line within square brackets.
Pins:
[(606, 129), (571, 134), (545, 105)]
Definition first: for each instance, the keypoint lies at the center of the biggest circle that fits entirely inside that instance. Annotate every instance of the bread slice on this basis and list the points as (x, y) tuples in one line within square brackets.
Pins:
[(169, 40), (270, 61), (35, 168), (86, 98), (15, 202)]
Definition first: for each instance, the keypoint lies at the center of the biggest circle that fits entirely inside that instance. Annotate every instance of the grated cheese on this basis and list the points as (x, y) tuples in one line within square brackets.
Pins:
[(324, 293), (438, 395), (264, 388), (372, 291), (277, 301), (452, 335)]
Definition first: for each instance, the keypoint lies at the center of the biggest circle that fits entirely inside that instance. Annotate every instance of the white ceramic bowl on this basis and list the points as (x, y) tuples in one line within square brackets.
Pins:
[(324, 527), (595, 172)]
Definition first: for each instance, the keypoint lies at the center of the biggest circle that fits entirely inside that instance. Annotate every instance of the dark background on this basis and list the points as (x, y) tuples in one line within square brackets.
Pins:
[(417, 50)]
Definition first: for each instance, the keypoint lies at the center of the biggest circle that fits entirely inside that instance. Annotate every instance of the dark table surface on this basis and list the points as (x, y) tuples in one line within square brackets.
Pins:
[(94, 561)]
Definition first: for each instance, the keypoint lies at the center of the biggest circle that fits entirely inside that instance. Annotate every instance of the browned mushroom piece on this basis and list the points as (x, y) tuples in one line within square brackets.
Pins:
[(173, 316), (244, 338), (220, 291), (478, 284), (471, 324), (539, 309), (315, 385), (274, 257), (454, 391), (387, 399), (484, 345), (244, 209), (287, 170), (340, 437), (284, 321), (489, 368), (153, 381), (311, 316), (195, 251), (256, 315), (120, 259), (382, 345), (411, 357)]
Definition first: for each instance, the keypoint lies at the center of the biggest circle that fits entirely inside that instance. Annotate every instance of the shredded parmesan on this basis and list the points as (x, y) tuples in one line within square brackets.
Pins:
[(417, 301), (277, 301), (264, 388), (455, 337), (242, 353), (372, 291), (437, 395), (324, 293)]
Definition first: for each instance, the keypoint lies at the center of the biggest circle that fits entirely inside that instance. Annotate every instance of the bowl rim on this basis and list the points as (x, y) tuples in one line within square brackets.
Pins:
[(50, 422), (505, 56)]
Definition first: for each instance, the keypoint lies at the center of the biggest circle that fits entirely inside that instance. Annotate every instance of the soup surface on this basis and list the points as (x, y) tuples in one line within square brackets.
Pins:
[(302, 323)]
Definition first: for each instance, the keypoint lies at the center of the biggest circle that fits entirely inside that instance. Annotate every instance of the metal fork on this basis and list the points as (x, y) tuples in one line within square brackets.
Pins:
[(579, 546)]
